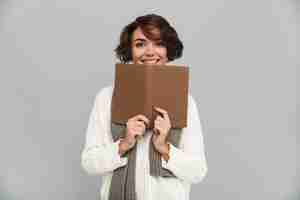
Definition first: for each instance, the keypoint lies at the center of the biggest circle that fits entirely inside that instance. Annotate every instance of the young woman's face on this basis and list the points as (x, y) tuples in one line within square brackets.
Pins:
[(146, 51)]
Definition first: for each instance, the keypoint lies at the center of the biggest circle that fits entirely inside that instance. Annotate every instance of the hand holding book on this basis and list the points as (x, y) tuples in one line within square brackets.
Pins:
[(135, 128), (162, 126)]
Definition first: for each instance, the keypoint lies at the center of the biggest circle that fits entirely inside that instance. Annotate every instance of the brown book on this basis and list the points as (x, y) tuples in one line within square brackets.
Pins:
[(138, 88)]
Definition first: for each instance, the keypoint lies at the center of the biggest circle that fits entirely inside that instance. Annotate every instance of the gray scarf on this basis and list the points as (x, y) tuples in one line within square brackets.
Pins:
[(123, 181)]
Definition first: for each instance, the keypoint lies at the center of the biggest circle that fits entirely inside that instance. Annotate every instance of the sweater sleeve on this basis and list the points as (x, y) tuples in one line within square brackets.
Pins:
[(100, 154), (188, 162)]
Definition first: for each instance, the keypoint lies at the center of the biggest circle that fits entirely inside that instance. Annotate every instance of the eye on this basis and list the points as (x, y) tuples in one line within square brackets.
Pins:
[(139, 44), (160, 43)]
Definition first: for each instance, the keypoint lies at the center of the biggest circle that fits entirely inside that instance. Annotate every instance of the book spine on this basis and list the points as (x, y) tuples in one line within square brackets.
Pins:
[(148, 94)]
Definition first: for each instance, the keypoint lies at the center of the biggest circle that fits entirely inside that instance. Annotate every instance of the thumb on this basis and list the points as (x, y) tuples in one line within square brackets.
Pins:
[(156, 131)]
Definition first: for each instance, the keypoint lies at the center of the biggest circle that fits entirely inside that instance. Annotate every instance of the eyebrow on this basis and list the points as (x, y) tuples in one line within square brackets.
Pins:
[(139, 39)]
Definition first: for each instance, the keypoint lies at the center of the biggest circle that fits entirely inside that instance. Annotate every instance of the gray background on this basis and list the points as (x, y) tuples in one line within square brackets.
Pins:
[(56, 55)]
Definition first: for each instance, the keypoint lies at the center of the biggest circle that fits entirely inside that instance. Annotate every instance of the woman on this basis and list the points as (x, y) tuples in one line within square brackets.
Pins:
[(148, 40)]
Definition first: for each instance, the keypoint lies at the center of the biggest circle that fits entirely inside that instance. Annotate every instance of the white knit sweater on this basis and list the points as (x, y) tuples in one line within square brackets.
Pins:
[(100, 155)]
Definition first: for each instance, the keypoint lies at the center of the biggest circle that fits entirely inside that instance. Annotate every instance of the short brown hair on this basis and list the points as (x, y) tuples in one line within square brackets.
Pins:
[(148, 23)]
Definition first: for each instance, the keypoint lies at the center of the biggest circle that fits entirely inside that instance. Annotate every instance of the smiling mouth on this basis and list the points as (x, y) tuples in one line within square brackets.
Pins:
[(152, 61)]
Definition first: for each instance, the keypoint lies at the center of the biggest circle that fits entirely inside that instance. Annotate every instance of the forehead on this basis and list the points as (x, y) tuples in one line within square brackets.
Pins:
[(149, 34), (138, 34)]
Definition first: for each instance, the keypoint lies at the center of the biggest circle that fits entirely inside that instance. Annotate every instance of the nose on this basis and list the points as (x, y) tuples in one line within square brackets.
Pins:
[(150, 50)]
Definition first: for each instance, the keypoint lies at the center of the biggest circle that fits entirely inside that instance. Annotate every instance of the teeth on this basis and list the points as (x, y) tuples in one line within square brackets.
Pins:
[(150, 61)]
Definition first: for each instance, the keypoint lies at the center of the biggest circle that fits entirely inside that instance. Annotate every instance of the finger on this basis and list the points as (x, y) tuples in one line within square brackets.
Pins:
[(141, 118), (156, 131), (154, 136), (159, 118), (160, 122), (134, 121), (139, 130), (140, 124), (162, 111), (156, 123)]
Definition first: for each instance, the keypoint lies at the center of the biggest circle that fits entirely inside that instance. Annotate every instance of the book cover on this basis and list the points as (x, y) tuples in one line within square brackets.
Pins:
[(138, 88)]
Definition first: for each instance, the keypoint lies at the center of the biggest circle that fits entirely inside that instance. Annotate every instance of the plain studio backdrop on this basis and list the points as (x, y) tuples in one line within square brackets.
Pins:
[(56, 55)]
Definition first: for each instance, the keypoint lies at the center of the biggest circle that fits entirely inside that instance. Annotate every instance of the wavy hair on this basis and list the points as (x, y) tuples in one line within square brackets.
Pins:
[(148, 24)]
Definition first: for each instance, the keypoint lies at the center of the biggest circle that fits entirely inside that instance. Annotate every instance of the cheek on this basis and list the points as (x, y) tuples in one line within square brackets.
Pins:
[(136, 53), (163, 53)]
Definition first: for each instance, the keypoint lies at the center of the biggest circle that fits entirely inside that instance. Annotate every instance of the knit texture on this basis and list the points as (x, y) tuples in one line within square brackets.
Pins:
[(123, 181)]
